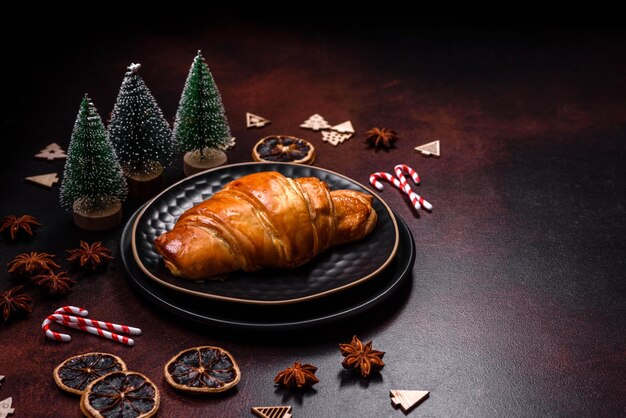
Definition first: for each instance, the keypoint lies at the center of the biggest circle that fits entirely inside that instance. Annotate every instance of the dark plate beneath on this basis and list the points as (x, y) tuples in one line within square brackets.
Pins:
[(274, 317), (336, 269)]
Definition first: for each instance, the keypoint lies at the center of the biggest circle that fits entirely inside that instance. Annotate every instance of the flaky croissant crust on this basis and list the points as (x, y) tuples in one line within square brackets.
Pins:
[(264, 220)]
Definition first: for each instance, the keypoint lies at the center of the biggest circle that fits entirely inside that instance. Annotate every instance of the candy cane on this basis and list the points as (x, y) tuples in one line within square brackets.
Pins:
[(72, 309), (97, 331), (408, 170), (382, 175), (99, 324), (403, 187), (415, 198), (53, 335)]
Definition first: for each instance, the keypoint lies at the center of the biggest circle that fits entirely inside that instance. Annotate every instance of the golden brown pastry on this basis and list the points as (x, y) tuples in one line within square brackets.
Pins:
[(264, 220)]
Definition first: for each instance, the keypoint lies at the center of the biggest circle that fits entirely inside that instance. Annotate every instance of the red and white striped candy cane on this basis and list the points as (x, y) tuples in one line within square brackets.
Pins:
[(408, 170), (97, 331), (403, 187), (53, 335), (73, 310), (382, 175), (415, 198), (99, 324)]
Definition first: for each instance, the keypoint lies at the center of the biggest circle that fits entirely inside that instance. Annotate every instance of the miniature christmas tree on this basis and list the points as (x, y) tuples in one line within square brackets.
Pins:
[(201, 128), (138, 131), (93, 182)]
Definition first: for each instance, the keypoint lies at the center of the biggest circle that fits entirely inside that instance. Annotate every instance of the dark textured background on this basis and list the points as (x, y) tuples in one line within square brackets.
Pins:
[(516, 305)]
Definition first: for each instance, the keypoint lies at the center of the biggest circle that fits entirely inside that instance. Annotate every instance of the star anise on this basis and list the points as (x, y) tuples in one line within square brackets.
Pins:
[(298, 375), (13, 301), (92, 255), (32, 263), (56, 283), (361, 357), (14, 224), (381, 137)]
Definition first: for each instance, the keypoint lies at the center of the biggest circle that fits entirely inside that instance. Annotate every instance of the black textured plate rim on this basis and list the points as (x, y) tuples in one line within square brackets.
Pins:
[(206, 295), (342, 313)]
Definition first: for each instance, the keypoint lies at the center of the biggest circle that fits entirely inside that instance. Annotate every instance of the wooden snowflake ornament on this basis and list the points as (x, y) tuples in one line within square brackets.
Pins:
[(407, 399), (45, 180), (272, 411), (51, 152), (432, 148), (256, 121), (315, 122)]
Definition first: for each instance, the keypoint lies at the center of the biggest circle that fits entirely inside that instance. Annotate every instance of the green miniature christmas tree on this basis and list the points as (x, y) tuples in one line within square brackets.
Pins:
[(201, 123), (93, 178), (140, 134)]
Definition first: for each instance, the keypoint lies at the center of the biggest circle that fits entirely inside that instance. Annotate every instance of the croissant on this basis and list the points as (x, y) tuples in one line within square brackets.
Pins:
[(264, 220)]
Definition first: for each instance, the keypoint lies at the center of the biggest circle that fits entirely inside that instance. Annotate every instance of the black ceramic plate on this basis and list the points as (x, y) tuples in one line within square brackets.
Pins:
[(274, 317), (336, 269)]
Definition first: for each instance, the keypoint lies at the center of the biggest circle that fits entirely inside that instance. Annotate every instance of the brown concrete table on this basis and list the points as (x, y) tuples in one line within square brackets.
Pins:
[(516, 305)]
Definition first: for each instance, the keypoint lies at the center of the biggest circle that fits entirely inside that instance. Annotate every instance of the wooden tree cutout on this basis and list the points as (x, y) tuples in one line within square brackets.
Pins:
[(315, 122), (272, 411), (407, 399), (432, 148), (51, 152), (5, 407), (344, 128), (334, 138), (255, 121), (45, 180)]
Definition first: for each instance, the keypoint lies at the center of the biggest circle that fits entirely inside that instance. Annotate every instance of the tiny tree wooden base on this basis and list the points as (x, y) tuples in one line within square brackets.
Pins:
[(98, 221), (143, 187), (193, 163)]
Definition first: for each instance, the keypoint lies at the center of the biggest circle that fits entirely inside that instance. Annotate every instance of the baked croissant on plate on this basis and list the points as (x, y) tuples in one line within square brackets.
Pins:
[(264, 220)]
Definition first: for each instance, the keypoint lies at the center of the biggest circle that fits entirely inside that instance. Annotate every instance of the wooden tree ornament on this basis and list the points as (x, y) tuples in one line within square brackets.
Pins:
[(315, 122), (5, 407), (272, 411), (93, 185), (45, 180), (255, 121), (432, 148), (51, 152), (407, 399)]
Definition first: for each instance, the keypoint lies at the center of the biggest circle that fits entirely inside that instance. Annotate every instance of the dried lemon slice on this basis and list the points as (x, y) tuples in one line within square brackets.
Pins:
[(75, 373), (284, 149), (204, 369), (121, 394)]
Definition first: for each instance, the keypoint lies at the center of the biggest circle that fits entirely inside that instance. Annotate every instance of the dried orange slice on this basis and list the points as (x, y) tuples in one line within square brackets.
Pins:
[(202, 370), (121, 394), (284, 149), (75, 373)]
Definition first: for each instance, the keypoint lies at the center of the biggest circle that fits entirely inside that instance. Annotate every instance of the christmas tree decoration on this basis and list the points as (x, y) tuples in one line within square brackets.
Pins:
[(272, 411), (51, 152), (432, 148), (255, 121), (344, 128), (334, 138), (315, 122), (141, 136), (201, 127), (407, 399), (45, 180), (93, 184), (5, 407)]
